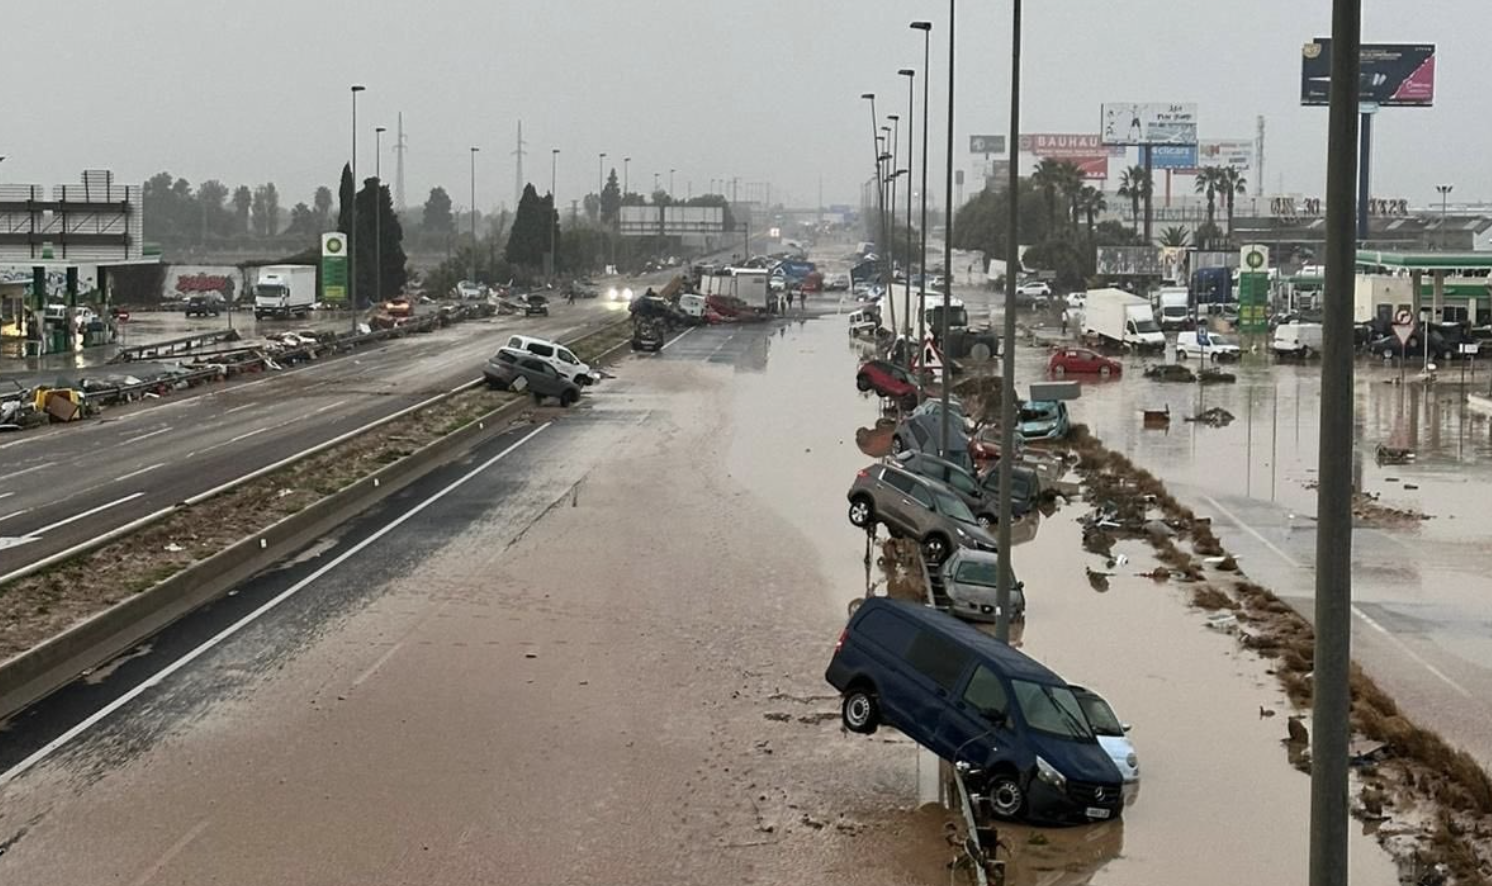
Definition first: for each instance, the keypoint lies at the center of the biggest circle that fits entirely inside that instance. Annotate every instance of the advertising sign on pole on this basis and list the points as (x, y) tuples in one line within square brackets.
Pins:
[(1235, 152), (1391, 74), (334, 267), (1174, 157), (1085, 151), (1148, 123), (1130, 261), (986, 144)]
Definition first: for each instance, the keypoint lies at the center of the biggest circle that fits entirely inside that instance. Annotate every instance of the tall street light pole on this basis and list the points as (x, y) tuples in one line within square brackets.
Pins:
[(1331, 696), (352, 224), (626, 174), (474, 151), (880, 156), (926, 29), (554, 207), (600, 174), (947, 249), (670, 181), (906, 321), (1007, 344), (378, 214), (1445, 193)]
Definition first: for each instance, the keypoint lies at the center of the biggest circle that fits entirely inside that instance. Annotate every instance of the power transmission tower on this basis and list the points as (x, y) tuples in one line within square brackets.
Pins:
[(518, 180), (400, 146)]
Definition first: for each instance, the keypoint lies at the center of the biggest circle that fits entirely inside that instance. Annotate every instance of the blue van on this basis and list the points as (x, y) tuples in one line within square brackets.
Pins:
[(971, 699)]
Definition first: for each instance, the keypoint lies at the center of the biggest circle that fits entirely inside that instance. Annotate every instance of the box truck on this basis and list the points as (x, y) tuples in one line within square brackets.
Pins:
[(1119, 318), (284, 291)]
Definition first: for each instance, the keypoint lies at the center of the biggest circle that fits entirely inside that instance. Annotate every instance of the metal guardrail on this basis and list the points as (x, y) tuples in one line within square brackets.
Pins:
[(171, 347)]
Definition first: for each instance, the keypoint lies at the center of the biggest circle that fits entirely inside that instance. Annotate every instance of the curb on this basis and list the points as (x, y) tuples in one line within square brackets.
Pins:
[(54, 663)]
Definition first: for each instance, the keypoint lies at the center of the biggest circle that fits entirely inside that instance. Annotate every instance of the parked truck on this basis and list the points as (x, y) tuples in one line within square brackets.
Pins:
[(1121, 319), (284, 291), (1174, 308)]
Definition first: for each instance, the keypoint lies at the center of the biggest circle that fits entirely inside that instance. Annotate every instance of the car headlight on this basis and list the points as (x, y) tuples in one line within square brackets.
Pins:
[(612, 293), (1049, 774), (961, 533), (626, 294)]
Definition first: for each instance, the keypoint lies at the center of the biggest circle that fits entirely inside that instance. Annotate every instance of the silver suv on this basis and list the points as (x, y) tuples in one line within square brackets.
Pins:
[(514, 370), (915, 507)]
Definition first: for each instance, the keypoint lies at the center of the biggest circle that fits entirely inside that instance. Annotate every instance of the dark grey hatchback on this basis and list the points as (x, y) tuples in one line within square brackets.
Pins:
[(514, 370)]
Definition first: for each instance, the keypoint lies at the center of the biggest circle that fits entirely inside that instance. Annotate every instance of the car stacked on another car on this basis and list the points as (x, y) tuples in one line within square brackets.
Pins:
[(511, 369), (888, 380), (971, 581), (564, 361), (912, 506)]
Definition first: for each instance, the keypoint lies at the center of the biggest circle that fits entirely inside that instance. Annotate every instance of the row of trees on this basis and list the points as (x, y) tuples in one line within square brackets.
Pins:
[(176, 214)]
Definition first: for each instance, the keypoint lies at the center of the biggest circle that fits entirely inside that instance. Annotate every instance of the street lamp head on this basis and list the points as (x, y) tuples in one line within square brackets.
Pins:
[(357, 88), (884, 157), (922, 26), (893, 117), (474, 150), (556, 150), (869, 95), (380, 129), (907, 72)]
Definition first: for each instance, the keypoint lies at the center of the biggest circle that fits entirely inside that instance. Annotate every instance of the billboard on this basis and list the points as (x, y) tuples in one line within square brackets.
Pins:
[(1130, 261), (671, 221), (1392, 74), (1235, 152), (1174, 157), (96, 220), (986, 144), (1148, 123), (1086, 152)]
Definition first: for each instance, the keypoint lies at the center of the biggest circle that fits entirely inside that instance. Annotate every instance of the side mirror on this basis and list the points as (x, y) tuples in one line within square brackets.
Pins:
[(1126, 727)]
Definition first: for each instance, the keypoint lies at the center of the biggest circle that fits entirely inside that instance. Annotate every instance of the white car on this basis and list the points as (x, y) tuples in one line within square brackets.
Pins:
[(777, 283), (556, 355), (466, 290), (1205, 345), (1076, 300), (1113, 737), (1034, 288)]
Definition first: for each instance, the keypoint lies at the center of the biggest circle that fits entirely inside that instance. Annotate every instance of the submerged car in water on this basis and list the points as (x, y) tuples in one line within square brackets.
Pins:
[(1043, 420), (971, 581)]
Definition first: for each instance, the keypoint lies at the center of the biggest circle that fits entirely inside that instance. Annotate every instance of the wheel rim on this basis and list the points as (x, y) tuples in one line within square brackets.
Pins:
[(1006, 797), (859, 513), (857, 710), (985, 521), (935, 548)]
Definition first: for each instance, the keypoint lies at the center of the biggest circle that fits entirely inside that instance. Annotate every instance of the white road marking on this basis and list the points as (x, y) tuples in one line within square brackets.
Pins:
[(237, 408), (139, 472), (150, 873), (155, 679), (88, 513), (1366, 619), (1250, 530), (669, 343), (149, 435), (41, 467), (249, 434), (329, 406), (6, 494), (15, 514), (373, 668)]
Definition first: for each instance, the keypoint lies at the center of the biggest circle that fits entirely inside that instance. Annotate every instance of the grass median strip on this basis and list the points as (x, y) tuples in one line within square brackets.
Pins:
[(39, 606)]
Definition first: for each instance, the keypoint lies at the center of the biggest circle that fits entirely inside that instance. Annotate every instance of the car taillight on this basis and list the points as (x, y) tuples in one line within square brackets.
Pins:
[(862, 473), (839, 644)]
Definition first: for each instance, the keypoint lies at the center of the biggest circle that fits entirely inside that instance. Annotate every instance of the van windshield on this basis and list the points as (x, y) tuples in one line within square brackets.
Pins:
[(1099, 715), (1144, 325), (1051, 709)]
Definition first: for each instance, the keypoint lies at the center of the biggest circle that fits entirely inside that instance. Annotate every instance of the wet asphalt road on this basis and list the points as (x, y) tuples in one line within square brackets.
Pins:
[(1422, 596), (68, 484), (583, 653)]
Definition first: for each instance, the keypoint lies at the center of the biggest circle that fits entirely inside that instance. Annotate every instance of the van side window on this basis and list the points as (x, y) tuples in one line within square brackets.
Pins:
[(922, 496), (898, 480), (937, 658), (985, 693), (515, 342), (541, 350)]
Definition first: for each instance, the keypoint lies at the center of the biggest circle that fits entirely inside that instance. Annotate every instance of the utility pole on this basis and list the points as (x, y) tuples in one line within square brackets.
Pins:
[(1445, 193), (352, 234), (1331, 695), (518, 179), (1259, 158), (1004, 579), (400, 146), (378, 132), (474, 151), (948, 248)]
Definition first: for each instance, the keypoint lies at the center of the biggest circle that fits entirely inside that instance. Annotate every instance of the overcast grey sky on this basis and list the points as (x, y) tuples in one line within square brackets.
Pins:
[(763, 90)]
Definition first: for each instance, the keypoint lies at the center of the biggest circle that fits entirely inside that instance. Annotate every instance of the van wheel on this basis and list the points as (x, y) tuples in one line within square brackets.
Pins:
[(582, 379), (862, 382), (935, 549), (860, 711), (1006, 797), (568, 399), (862, 513)]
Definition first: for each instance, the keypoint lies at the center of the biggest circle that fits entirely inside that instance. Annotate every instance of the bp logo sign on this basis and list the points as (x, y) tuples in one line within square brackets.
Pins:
[(1254, 258), (333, 244)]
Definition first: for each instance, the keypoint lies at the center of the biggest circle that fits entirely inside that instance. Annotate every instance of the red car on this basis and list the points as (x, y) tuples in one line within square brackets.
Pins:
[(1082, 361), (888, 380)]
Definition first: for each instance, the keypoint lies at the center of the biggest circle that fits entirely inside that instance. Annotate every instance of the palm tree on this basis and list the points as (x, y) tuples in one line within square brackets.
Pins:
[(1208, 179), (1175, 235), (1070, 183), (1090, 202), (1049, 177), (1134, 185), (1231, 183)]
